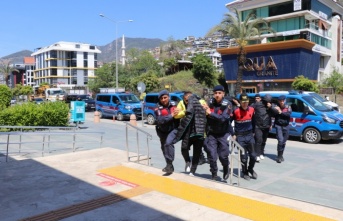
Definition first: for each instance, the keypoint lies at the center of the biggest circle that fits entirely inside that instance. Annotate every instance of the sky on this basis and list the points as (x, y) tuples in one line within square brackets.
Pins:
[(27, 25)]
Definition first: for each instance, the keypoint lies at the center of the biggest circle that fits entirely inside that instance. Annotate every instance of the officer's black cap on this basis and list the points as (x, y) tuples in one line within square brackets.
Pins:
[(163, 92), (282, 97), (218, 88)]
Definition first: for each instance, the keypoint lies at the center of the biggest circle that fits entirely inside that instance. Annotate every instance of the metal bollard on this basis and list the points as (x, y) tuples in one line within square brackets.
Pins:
[(96, 116), (133, 120)]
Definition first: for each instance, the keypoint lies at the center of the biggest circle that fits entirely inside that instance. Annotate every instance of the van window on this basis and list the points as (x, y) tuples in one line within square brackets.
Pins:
[(151, 99), (175, 98), (129, 98), (104, 98), (115, 100), (296, 104)]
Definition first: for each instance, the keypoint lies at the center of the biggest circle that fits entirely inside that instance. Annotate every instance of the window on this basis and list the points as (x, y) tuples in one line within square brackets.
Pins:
[(85, 55), (104, 98), (151, 99), (85, 63), (296, 104), (115, 100), (92, 47), (77, 46), (53, 72), (53, 54)]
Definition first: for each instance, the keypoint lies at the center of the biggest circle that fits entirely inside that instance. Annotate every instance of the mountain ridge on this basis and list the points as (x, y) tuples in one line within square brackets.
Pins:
[(107, 51)]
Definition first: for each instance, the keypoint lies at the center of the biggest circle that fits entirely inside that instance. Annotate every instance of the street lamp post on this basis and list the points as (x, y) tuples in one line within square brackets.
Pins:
[(116, 23)]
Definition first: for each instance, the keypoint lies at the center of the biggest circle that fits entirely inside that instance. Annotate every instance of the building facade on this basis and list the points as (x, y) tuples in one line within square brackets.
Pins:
[(29, 63), (316, 21), (67, 65)]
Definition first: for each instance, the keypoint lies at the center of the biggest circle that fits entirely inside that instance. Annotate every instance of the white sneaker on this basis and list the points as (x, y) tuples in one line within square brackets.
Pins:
[(191, 174), (188, 167), (261, 157), (258, 159)]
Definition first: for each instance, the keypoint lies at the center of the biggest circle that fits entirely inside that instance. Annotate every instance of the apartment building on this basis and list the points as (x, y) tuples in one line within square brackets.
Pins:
[(308, 41), (68, 65), (29, 63)]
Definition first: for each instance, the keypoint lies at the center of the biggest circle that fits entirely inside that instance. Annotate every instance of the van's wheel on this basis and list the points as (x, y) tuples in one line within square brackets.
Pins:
[(312, 135), (120, 116), (150, 119), (100, 114)]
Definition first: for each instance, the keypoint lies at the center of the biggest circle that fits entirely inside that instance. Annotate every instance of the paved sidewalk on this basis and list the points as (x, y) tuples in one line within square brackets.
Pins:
[(74, 186), (309, 180)]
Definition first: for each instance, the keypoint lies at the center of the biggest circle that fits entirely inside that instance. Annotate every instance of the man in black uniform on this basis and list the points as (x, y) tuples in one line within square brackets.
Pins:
[(218, 115), (166, 126), (282, 119)]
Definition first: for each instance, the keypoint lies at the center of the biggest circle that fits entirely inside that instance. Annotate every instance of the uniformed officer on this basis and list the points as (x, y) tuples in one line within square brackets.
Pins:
[(282, 126), (244, 135), (166, 126), (218, 115)]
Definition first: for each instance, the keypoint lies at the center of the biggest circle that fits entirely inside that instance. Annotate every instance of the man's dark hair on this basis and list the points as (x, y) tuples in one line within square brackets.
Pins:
[(187, 92)]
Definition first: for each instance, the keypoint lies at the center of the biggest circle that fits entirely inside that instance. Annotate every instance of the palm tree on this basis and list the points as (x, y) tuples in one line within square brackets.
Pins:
[(251, 28), (6, 69)]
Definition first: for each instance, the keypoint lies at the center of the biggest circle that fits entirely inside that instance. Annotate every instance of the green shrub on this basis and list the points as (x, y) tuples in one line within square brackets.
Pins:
[(5, 97), (31, 114)]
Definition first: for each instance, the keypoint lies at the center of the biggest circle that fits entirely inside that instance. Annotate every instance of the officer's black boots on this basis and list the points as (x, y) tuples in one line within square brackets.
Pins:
[(169, 168), (245, 172), (226, 173), (214, 176), (253, 174), (279, 158)]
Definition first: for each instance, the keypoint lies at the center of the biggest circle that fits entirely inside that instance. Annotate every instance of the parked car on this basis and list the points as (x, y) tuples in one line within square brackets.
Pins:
[(120, 105), (311, 119), (13, 100), (89, 101), (150, 102), (38, 100)]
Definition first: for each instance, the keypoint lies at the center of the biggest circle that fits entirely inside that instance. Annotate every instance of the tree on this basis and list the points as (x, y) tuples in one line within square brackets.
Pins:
[(22, 90), (104, 78), (233, 26), (304, 84), (335, 80), (150, 80), (203, 70), (6, 68), (5, 97), (170, 65)]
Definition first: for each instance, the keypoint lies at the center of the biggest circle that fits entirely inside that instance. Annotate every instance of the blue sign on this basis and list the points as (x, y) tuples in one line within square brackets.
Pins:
[(275, 65), (77, 110)]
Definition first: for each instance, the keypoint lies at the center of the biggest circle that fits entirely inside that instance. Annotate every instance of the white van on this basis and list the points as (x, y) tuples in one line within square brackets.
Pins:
[(330, 104)]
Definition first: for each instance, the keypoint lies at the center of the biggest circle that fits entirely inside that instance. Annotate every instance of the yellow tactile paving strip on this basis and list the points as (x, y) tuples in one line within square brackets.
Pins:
[(236, 205)]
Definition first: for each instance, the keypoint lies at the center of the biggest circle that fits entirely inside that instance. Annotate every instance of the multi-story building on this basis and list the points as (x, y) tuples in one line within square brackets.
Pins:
[(68, 65), (29, 63), (307, 41)]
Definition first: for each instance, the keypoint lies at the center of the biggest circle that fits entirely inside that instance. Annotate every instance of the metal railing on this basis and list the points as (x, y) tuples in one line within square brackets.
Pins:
[(235, 156), (43, 136), (139, 156)]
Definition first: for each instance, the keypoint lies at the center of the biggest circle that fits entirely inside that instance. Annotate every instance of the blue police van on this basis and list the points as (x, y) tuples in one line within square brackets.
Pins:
[(311, 119), (150, 102), (120, 105)]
